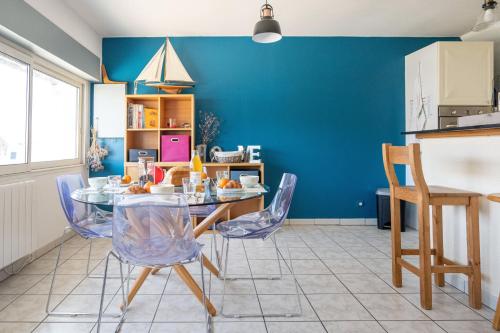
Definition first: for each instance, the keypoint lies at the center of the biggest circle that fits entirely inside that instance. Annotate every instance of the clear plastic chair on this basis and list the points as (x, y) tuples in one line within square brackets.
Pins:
[(260, 225), (153, 231), (87, 221)]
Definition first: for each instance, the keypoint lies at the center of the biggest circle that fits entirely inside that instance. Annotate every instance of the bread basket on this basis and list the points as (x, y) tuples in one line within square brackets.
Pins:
[(228, 156)]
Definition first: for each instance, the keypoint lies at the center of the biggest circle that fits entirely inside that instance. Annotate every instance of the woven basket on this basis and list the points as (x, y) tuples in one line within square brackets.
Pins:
[(228, 156)]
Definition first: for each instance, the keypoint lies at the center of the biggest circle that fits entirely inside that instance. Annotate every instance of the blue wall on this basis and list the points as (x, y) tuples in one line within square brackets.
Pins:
[(320, 107)]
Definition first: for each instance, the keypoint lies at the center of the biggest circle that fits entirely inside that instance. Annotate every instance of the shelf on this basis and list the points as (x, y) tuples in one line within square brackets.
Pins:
[(162, 96), (142, 129), (188, 129), (176, 129), (457, 132), (161, 164), (174, 164)]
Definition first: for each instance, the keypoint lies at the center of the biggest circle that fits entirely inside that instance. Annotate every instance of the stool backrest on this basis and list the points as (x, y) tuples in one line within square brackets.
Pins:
[(406, 155)]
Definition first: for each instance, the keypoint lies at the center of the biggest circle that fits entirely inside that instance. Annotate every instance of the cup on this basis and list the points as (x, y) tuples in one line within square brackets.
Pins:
[(171, 122), (188, 187), (114, 181), (221, 174)]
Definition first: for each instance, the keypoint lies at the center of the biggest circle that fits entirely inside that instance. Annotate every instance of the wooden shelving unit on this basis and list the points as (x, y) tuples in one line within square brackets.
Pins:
[(180, 107)]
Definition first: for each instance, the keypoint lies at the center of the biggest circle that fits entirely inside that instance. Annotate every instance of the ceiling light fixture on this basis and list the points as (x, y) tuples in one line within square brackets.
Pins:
[(267, 30), (488, 17)]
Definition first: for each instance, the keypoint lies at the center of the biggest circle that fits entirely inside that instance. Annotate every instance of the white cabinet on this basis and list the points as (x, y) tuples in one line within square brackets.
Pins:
[(109, 110), (446, 73), (465, 73)]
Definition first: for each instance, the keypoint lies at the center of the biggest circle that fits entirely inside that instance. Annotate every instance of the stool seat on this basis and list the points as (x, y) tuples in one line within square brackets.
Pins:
[(438, 195)]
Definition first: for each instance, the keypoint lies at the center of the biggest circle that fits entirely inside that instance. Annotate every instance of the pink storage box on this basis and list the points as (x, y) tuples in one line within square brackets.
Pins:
[(175, 148)]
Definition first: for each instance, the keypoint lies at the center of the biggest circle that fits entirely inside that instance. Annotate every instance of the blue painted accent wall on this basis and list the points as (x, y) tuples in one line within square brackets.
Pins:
[(320, 107)]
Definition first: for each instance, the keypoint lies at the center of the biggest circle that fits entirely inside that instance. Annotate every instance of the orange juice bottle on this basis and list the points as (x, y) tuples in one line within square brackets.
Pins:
[(195, 168)]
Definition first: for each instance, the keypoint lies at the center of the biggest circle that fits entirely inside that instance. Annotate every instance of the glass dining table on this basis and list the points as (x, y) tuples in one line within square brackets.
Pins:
[(220, 202)]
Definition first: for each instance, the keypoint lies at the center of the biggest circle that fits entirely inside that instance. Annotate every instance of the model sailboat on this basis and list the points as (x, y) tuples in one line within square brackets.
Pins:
[(165, 71)]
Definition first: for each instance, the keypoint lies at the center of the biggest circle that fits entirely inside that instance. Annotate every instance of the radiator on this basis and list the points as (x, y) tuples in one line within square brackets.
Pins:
[(16, 207)]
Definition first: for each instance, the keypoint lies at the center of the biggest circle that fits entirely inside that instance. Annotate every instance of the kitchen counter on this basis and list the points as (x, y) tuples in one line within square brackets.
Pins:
[(477, 130)]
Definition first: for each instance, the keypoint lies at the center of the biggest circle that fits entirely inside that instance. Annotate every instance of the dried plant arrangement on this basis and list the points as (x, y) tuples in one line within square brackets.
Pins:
[(209, 126), (96, 154)]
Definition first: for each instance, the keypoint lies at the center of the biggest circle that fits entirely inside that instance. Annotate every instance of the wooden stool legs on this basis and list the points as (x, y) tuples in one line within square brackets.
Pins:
[(496, 319), (425, 252), (425, 256), (397, 276), (437, 226), (473, 253)]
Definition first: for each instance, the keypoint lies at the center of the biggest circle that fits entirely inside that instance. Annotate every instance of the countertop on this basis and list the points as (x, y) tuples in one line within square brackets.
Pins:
[(454, 129)]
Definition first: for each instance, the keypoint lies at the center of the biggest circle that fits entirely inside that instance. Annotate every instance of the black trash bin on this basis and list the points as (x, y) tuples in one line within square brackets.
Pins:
[(384, 210)]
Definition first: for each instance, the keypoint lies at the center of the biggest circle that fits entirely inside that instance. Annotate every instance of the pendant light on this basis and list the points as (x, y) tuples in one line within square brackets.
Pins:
[(267, 30), (488, 17)]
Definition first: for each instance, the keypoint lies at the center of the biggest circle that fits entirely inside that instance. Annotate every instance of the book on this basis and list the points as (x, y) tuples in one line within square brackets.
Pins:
[(150, 118), (139, 116), (130, 115)]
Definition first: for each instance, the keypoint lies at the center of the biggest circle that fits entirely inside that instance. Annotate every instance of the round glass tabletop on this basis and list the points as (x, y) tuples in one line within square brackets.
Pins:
[(213, 197)]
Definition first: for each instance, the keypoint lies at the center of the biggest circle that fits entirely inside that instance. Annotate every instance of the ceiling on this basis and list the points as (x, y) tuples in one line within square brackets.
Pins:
[(297, 17)]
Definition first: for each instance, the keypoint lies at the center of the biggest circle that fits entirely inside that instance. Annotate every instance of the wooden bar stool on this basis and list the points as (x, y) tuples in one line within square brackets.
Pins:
[(424, 197), (496, 320)]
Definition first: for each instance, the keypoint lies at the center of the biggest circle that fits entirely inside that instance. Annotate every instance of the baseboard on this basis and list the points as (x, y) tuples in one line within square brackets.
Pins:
[(333, 221), (488, 298), (20, 263)]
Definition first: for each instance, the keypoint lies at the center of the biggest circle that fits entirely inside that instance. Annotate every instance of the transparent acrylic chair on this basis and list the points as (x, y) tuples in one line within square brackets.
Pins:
[(260, 225), (153, 231), (87, 221)]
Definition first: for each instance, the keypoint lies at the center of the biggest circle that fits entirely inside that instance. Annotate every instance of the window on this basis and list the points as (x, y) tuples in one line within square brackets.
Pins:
[(14, 84), (40, 113), (55, 113)]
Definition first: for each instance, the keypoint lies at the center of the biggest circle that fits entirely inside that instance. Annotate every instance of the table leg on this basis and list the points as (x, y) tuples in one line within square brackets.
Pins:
[(206, 262), (183, 273), (137, 285), (496, 319), (193, 286)]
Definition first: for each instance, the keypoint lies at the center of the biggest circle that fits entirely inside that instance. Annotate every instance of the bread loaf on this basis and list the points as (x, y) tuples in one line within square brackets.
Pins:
[(176, 174)]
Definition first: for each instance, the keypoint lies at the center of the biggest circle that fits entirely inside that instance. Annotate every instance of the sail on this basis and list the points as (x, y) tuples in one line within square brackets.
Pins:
[(174, 69), (152, 71)]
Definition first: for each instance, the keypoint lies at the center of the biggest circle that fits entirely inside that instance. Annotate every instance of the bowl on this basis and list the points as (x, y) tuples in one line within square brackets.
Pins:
[(162, 189), (98, 183), (249, 181)]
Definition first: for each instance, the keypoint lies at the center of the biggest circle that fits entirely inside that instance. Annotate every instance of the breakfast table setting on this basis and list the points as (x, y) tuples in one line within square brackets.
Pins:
[(221, 193)]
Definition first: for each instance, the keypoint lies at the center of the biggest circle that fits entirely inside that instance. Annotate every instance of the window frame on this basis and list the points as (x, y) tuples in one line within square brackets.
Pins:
[(34, 62)]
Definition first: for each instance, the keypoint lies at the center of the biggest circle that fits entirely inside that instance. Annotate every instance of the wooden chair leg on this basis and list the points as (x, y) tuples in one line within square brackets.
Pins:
[(425, 256), (397, 276), (437, 226), (496, 319), (473, 253)]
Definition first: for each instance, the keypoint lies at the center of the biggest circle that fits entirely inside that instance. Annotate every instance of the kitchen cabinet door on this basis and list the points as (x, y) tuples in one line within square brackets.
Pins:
[(465, 73)]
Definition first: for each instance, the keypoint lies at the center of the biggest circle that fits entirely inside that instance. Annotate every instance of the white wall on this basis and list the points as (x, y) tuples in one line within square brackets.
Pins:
[(49, 220), (471, 164), (65, 18)]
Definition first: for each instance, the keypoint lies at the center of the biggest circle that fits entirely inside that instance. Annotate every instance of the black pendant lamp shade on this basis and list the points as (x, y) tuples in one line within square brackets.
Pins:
[(267, 30)]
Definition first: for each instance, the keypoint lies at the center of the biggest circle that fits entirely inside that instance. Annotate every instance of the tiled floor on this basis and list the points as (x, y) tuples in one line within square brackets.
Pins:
[(344, 274)]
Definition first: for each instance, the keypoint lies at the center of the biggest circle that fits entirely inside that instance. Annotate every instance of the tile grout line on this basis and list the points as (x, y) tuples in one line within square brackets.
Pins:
[(389, 286), (333, 273), (253, 282)]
